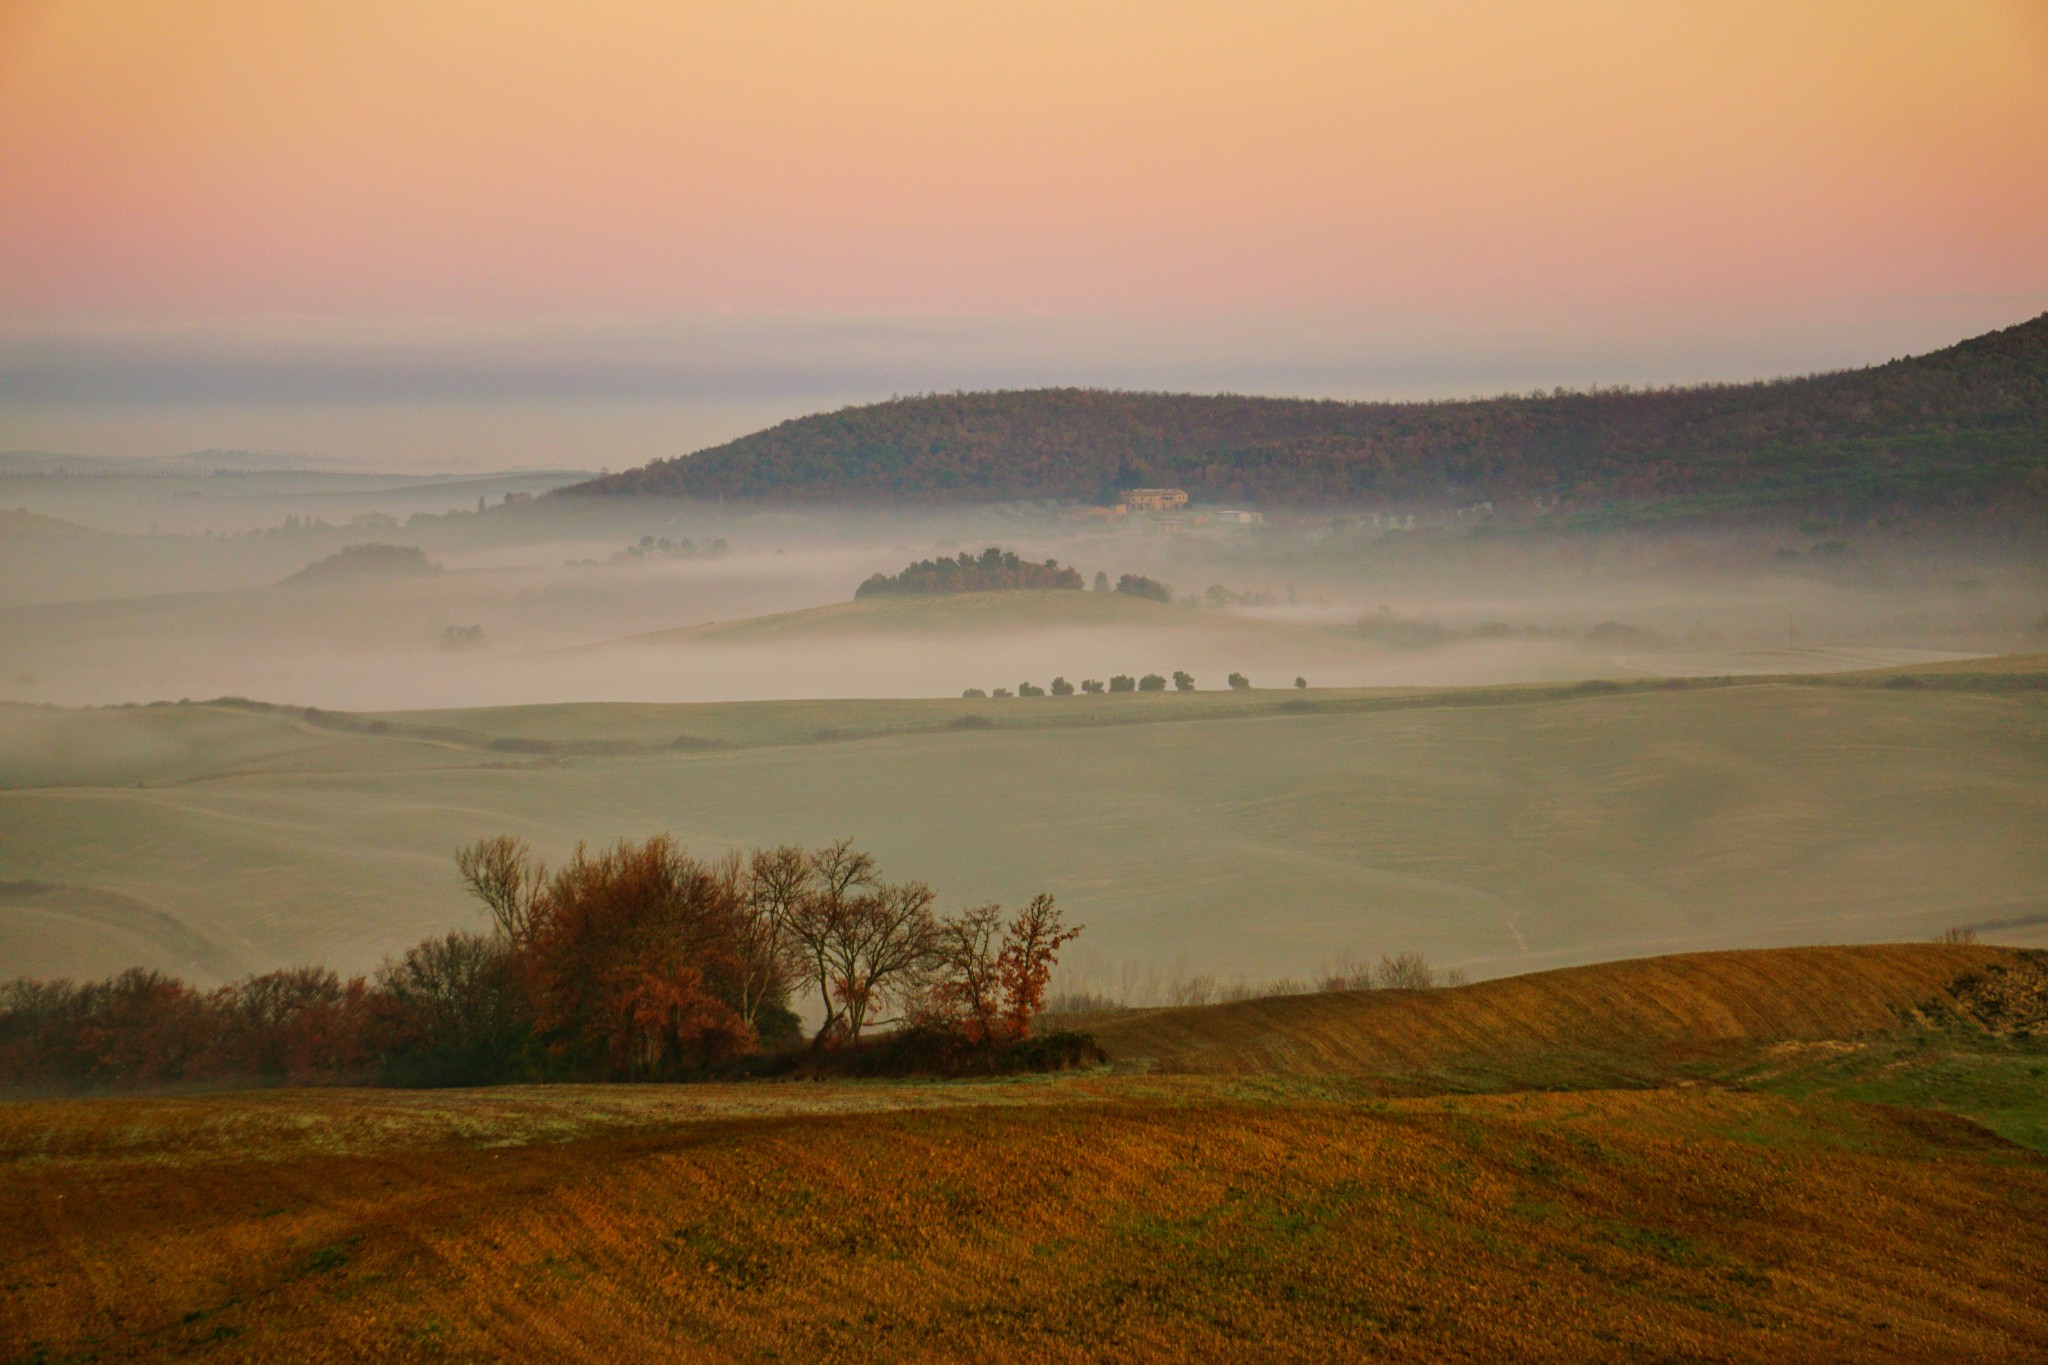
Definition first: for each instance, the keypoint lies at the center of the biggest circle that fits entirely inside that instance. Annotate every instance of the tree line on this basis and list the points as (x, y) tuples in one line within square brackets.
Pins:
[(638, 961), (1183, 681)]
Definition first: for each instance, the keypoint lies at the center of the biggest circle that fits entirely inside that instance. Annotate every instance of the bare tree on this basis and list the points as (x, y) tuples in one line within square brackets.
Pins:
[(817, 916), (769, 888), (1403, 972), (880, 947), (502, 873)]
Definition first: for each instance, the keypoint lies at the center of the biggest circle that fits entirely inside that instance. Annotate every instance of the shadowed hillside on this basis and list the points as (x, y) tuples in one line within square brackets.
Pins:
[(1965, 427), (1625, 1014)]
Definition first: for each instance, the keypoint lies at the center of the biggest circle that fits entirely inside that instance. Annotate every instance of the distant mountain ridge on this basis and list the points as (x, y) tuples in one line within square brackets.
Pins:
[(1963, 427)]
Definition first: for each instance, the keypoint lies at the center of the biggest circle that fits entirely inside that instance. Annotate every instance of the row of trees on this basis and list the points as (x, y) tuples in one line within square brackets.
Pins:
[(1183, 681), (639, 961)]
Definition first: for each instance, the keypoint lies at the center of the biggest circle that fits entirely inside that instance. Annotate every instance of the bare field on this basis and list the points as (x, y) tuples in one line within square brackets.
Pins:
[(1590, 1226), (1283, 1206)]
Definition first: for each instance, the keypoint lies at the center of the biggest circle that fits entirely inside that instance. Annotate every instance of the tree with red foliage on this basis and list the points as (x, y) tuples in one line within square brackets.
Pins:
[(304, 1025), (966, 992), (1031, 947), (141, 1028), (631, 962), (990, 980)]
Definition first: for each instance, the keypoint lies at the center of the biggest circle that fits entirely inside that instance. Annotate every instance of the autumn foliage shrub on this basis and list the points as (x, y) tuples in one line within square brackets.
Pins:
[(636, 962), (299, 1026)]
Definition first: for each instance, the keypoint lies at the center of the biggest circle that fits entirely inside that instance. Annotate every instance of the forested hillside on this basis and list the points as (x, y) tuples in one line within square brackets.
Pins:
[(1962, 428)]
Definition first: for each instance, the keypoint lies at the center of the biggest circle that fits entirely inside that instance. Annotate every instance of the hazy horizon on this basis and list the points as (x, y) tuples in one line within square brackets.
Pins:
[(419, 396), (633, 232)]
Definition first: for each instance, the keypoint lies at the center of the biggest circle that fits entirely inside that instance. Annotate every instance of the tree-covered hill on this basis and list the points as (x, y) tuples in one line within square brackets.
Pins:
[(1964, 428), (994, 570)]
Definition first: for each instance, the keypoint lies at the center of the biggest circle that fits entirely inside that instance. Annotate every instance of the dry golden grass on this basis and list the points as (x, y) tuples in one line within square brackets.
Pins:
[(1622, 1012)]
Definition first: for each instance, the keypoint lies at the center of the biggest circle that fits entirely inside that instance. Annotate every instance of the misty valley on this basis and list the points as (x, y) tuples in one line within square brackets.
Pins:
[(1416, 730)]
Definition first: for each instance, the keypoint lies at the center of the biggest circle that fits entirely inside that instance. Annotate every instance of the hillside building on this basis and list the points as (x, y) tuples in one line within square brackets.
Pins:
[(1155, 499)]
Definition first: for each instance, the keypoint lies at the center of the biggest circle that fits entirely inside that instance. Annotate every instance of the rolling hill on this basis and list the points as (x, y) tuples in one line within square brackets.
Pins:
[(945, 613), (27, 525), (1629, 1014), (1961, 428), (1499, 829)]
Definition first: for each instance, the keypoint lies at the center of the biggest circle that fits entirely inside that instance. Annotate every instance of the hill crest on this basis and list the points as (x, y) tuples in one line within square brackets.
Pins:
[(1967, 425), (1645, 1010)]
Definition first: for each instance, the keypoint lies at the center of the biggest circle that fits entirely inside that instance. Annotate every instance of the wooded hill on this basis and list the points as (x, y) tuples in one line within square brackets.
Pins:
[(994, 570), (1963, 428)]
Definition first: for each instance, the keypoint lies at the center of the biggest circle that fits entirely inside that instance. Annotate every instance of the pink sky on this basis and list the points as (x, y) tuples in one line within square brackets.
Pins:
[(1638, 169)]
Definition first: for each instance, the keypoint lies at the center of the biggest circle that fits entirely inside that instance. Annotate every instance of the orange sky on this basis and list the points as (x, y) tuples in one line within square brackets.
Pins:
[(508, 158), (1723, 166)]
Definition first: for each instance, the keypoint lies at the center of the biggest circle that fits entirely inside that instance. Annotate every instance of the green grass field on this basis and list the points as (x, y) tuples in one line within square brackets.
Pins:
[(1260, 834)]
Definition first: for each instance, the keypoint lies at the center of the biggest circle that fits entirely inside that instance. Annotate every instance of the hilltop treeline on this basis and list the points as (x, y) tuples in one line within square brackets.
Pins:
[(1966, 427), (993, 570), (639, 962)]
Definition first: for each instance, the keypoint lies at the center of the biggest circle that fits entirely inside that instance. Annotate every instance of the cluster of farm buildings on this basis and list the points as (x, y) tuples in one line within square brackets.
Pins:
[(1168, 509)]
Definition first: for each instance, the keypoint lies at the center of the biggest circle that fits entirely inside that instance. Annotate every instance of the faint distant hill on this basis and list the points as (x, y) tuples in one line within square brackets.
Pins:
[(19, 521), (1962, 428), (367, 563), (40, 462)]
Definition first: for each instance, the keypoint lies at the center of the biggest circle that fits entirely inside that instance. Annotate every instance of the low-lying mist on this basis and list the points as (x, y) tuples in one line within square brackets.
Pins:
[(537, 601)]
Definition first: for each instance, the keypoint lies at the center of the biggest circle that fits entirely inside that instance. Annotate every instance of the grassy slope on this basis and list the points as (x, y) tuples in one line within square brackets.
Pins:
[(790, 722), (951, 613), (1233, 1216), (1517, 828), (956, 616), (44, 746)]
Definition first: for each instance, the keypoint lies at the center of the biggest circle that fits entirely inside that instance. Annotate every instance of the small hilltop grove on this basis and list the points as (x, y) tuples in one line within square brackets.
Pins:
[(998, 570), (638, 962)]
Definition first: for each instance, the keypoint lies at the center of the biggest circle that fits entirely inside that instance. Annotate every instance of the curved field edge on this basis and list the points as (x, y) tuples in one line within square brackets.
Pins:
[(229, 736), (1606, 1023)]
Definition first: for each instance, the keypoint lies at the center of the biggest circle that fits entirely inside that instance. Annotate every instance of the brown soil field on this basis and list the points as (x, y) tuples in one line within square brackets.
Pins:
[(1113, 1214)]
